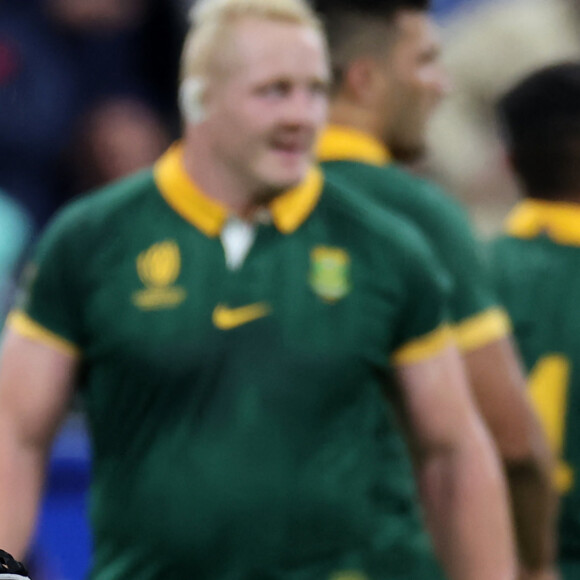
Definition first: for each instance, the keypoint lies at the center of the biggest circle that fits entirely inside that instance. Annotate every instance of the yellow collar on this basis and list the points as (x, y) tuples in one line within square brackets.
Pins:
[(558, 220), (338, 143), (288, 211)]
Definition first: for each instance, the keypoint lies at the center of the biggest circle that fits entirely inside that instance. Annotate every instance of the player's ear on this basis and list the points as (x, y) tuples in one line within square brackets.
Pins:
[(360, 80), (507, 159)]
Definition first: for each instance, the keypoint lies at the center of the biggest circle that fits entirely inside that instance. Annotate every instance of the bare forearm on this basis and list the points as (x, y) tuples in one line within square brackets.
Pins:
[(21, 475), (534, 506), (467, 512), (499, 385), (36, 383)]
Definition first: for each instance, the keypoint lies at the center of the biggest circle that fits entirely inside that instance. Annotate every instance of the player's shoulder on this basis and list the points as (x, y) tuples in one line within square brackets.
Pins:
[(399, 190), (520, 254), (425, 197), (368, 176), (497, 250), (104, 207), (381, 228), (505, 244), (515, 258), (496, 244)]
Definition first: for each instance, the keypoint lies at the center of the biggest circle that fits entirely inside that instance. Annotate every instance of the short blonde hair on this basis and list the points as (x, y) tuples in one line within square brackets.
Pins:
[(210, 20)]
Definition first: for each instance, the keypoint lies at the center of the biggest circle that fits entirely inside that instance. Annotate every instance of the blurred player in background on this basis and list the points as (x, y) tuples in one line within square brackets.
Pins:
[(232, 319), (537, 267), (78, 80), (489, 46), (388, 81)]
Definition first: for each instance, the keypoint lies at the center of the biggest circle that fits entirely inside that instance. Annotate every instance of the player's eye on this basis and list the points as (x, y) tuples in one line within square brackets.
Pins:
[(276, 89), (429, 56)]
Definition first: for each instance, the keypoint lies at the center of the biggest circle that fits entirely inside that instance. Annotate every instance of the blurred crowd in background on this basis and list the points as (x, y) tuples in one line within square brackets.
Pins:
[(88, 94)]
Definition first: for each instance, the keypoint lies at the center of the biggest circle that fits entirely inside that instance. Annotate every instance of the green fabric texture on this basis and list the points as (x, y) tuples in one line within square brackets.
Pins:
[(539, 283), (439, 218), (266, 450)]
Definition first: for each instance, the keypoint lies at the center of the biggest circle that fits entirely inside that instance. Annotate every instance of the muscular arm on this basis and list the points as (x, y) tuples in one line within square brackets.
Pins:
[(496, 377), (499, 388), (460, 479), (35, 386)]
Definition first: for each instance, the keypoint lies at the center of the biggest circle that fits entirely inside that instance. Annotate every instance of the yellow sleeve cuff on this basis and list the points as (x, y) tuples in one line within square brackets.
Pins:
[(424, 347), (482, 329), (21, 323)]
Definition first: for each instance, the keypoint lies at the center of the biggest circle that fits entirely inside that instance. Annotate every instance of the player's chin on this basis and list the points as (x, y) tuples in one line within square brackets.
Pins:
[(409, 152), (288, 173)]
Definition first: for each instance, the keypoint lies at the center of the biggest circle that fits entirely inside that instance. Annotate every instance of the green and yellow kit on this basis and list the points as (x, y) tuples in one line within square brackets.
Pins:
[(238, 418), (362, 163), (536, 266)]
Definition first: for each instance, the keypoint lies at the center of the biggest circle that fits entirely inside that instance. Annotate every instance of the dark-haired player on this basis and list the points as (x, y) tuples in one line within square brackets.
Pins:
[(388, 81), (537, 268)]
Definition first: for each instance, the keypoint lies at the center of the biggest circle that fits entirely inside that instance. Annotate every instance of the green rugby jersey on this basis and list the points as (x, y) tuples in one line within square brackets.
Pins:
[(362, 163), (536, 266), (238, 426)]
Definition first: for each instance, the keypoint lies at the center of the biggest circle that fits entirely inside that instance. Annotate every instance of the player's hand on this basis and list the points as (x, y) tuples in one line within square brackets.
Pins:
[(11, 569), (547, 574)]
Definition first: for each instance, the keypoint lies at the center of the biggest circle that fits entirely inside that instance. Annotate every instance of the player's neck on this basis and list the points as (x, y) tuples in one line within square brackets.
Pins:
[(572, 197), (218, 182), (348, 114)]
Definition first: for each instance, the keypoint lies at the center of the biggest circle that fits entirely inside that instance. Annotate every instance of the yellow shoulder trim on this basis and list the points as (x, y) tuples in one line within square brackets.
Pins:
[(560, 221), (424, 347), (25, 326), (183, 195), (339, 143), (482, 329), (291, 209)]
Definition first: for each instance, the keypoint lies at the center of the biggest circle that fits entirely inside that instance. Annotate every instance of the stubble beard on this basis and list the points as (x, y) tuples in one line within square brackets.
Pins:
[(408, 154)]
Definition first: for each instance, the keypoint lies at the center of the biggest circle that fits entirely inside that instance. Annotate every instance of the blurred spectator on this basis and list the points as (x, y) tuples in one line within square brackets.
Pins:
[(15, 231), (488, 48), (118, 137), (62, 59)]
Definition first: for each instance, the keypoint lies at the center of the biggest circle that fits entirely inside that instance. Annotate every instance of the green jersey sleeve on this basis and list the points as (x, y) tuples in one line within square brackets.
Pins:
[(48, 305), (474, 311), (474, 308), (423, 325)]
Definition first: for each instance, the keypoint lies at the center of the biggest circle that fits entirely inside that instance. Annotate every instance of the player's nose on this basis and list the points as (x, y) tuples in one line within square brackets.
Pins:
[(306, 108)]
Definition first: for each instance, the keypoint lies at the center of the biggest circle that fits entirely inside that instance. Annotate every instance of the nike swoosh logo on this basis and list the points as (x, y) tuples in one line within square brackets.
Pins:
[(226, 318)]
